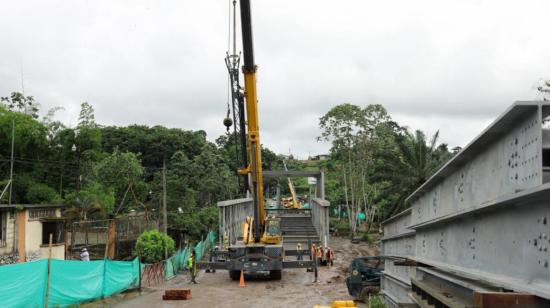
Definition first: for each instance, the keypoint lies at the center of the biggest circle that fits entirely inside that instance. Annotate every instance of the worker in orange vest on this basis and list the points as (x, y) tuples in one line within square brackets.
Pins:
[(319, 254), (330, 257), (311, 255)]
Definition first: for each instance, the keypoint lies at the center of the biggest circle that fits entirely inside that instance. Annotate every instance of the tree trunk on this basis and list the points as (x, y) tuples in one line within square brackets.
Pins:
[(364, 193), (372, 212), (371, 219), (348, 211), (353, 199)]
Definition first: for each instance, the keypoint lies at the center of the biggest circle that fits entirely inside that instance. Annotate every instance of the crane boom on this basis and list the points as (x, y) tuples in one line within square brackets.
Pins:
[(266, 253), (253, 127)]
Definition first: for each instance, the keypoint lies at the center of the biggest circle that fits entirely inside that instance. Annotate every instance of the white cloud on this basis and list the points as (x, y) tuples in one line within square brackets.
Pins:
[(434, 64)]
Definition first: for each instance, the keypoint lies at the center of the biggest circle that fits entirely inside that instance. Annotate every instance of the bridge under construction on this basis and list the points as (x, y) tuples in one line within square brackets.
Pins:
[(477, 232)]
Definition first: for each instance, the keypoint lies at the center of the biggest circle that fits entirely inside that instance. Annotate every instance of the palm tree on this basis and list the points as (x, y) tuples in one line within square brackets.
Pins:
[(94, 198), (419, 159)]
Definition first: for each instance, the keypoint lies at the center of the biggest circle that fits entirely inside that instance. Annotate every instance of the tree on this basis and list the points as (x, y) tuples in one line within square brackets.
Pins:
[(87, 136), (93, 198), (86, 117), (41, 193), (54, 127), (420, 158), (30, 147), (151, 245), (153, 144), (544, 89), (192, 187), (101, 171), (360, 137), (121, 172), (375, 163), (20, 103), (30, 135)]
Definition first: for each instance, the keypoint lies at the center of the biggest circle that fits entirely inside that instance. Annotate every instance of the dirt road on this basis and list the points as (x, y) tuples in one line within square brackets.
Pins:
[(295, 289)]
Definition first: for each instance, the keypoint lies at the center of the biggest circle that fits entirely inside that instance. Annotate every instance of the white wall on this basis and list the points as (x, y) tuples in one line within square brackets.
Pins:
[(33, 240), (10, 234)]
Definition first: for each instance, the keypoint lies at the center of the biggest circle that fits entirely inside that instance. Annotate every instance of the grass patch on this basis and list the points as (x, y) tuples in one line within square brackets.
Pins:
[(376, 302), (342, 228)]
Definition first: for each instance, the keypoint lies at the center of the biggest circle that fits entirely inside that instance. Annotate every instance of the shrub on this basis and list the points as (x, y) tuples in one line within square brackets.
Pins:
[(376, 302), (366, 237), (150, 246), (41, 193), (342, 226)]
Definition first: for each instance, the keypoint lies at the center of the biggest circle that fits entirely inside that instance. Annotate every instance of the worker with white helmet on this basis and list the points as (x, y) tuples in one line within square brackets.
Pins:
[(84, 255)]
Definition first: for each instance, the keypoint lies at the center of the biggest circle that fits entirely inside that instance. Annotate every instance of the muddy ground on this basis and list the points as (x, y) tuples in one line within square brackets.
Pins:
[(295, 289)]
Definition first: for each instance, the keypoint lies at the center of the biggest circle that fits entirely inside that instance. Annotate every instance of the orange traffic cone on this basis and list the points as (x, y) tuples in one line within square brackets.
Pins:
[(241, 283)]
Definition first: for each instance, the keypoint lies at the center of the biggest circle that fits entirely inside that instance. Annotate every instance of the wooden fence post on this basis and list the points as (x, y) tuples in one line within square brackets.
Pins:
[(110, 244), (139, 272)]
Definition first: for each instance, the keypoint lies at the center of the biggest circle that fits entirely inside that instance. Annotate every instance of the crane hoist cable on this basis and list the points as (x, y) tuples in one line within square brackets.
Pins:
[(232, 62)]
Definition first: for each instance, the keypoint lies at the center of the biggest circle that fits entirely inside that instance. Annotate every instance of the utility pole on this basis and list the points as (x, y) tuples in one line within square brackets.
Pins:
[(164, 218), (16, 224), (11, 160)]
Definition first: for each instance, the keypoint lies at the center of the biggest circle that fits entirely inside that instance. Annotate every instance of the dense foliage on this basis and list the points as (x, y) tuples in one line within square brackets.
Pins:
[(374, 162), (152, 245), (104, 171)]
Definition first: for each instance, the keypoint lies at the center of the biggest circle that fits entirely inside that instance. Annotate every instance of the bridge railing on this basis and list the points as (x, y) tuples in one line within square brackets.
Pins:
[(320, 218), (232, 214)]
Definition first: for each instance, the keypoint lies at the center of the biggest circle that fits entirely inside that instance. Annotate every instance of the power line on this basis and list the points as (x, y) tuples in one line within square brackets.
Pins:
[(37, 161)]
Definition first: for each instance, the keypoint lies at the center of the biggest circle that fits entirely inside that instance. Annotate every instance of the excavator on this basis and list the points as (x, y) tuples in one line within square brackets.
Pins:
[(261, 248)]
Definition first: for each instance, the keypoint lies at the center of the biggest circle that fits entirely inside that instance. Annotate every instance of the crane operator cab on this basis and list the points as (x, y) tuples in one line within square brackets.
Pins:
[(272, 234)]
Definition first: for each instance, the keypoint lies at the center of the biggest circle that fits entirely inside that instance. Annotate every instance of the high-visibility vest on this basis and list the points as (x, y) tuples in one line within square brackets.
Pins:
[(190, 263)]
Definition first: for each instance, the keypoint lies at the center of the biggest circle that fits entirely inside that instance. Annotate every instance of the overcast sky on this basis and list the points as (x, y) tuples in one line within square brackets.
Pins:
[(451, 66)]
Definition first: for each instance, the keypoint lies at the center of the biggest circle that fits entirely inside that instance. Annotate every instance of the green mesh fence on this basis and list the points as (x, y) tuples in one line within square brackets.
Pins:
[(24, 284), (74, 282), (71, 282), (178, 261)]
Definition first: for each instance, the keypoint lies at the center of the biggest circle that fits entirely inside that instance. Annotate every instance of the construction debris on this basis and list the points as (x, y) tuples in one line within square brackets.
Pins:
[(289, 203)]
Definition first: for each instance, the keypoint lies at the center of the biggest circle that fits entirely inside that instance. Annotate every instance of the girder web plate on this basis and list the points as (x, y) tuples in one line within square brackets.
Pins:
[(509, 247)]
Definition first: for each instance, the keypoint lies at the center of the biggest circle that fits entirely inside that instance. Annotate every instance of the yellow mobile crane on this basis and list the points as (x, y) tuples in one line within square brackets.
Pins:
[(261, 248), (253, 127), (257, 231)]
